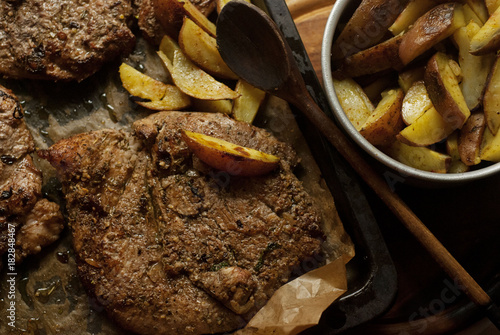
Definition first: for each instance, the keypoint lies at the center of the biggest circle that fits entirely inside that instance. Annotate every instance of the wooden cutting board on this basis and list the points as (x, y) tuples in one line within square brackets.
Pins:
[(310, 17)]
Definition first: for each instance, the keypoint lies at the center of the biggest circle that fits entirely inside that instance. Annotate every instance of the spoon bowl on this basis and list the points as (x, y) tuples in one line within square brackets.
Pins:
[(262, 45)]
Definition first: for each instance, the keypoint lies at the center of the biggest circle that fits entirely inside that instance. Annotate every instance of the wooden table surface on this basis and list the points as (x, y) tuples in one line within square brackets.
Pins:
[(466, 219)]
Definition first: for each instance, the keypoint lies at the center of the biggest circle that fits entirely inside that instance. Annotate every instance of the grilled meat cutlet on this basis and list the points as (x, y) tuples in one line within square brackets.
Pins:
[(37, 221), (63, 39), (170, 246)]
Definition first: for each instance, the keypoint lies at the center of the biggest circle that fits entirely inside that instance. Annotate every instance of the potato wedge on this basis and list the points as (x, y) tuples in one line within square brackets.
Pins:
[(366, 27), (384, 123), (490, 146), (415, 103), (446, 95), (163, 96), (247, 105), (190, 79), (456, 165), (421, 158), (478, 7), (140, 85), (229, 157), (380, 57), (431, 28), (491, 98), (492, 5), (470, 139), (487, 39), (428, 129), (197, 16), (412, 11), (375, 89), (470, 15), (354, 101), (475, 69), (408, 77), (201, 48), (213, 106), (173, 99)]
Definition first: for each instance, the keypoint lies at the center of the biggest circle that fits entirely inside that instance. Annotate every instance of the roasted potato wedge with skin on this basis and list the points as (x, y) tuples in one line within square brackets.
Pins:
[(490, 146), (384, 123), (475, 69), (456, 165), (471, 136), (487, 38), (412, 11), (189, 78), (201, 48), (380, 57), (428, 129), (444, 92), (431, 28), (246, 106), (415, 103), (421, 158), (366, 27), (229, 157), (354, 101), (491, 98), (141, 85)]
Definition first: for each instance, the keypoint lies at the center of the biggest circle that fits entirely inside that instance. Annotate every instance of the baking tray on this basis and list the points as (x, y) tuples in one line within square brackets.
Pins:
[(372, 278), (371, 274)]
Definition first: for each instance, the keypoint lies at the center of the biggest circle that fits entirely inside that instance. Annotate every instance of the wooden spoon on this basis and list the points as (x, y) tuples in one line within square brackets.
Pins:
[(253, 47)]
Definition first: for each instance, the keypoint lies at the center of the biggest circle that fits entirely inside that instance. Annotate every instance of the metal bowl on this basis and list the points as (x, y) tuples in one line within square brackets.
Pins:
[(341, 12)]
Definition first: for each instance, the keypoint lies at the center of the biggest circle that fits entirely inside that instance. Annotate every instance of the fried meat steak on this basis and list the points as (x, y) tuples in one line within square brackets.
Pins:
[(63, 39), (170, 246), (37, 221)]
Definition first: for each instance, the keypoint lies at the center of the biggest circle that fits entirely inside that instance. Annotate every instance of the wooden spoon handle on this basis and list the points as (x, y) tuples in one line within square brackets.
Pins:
[(350, 152)]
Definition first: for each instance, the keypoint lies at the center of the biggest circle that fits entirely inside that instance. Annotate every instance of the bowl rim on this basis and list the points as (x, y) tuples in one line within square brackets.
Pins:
[(404, 170)]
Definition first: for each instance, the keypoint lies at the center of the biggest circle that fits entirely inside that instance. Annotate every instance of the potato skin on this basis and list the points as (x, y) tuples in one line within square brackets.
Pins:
[(431, 28), (438, 81), (469, 141), (385, 122), (229, 157), (380, 57), (367, 26), (491, 100)]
